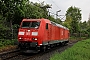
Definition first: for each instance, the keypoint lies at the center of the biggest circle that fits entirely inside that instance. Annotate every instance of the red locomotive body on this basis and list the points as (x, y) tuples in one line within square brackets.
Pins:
[(37, 33)]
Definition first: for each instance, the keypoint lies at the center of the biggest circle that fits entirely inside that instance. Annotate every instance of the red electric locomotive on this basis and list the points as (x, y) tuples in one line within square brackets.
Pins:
[(37, 34)]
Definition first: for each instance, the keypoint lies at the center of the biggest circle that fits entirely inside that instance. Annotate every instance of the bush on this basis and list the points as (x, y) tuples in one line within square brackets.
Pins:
[(7, 42)]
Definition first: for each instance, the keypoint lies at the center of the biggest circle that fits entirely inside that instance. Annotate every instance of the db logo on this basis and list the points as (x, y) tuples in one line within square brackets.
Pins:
[(27, 33)]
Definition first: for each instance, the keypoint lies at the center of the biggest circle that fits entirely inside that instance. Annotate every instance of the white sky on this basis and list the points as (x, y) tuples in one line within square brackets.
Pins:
[(63, 5)]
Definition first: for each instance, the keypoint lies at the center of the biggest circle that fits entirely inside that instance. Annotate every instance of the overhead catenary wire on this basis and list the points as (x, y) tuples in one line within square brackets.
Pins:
[(38, 0), (49, 12), (55, 4), (62, 18), (48, 9), (42, 8), (52, 11)]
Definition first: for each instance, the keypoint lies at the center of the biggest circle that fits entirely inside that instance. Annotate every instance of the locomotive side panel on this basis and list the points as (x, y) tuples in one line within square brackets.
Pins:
[(53, 32), (41, 32), (62, 33), (66, 34), (47, 32), (58, 31)]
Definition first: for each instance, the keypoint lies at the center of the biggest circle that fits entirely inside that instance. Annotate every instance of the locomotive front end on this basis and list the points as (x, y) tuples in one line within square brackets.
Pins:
[(28, 34)]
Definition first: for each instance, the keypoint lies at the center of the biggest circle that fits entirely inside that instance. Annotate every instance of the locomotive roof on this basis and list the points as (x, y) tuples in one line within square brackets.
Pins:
[(46, 20), (31, 19), (59, 25)]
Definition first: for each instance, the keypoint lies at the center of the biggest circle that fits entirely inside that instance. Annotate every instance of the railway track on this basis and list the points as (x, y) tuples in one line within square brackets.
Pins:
[(9, 54), (17, 55)]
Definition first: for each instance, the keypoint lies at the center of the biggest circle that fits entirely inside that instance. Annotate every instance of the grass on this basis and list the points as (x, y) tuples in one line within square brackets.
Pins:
[(80, 51)]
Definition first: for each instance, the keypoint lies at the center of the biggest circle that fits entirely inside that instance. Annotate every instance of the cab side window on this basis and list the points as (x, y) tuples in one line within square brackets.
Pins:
[(46, 25)]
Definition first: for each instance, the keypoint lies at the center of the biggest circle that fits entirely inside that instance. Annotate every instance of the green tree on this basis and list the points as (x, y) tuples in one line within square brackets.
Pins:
[(88, 22), (88, 26), (83, 28), (83, 25), (67, 22), (33, 10), (12, 10), (74, 15)]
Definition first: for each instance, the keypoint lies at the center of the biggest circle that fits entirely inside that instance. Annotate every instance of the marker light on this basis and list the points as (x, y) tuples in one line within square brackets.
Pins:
[(21, 33), (34, 33)]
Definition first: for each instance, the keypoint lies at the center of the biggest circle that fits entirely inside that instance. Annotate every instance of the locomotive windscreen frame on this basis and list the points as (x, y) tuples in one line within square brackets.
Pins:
[(30, 24)]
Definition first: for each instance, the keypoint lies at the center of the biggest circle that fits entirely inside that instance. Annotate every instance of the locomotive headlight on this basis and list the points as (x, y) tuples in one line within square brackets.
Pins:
[(34, 39), (34, 33), (20, 38), (21, 33)]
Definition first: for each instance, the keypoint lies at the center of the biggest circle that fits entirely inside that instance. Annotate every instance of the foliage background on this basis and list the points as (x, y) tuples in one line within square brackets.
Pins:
[(13, 11)]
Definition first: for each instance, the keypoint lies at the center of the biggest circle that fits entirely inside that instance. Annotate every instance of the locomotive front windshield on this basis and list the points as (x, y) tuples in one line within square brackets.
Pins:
[(30, 24)]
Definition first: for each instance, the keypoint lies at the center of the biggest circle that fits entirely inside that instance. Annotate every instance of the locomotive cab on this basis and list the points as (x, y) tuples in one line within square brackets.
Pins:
[(28, 34)]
